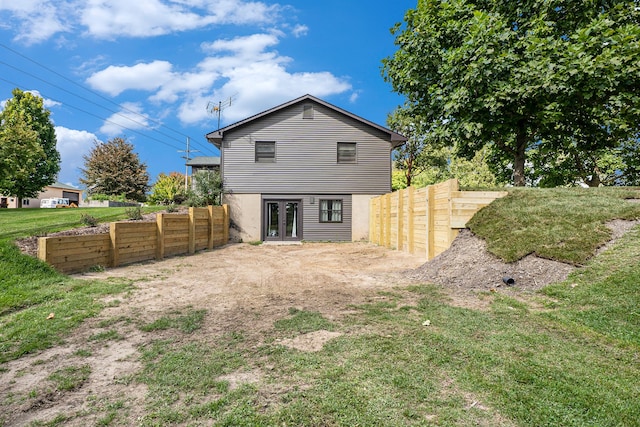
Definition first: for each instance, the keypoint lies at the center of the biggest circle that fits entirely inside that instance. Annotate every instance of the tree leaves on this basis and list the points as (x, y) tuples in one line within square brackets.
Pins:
[(112, 168), (515, 75), (28, 154)]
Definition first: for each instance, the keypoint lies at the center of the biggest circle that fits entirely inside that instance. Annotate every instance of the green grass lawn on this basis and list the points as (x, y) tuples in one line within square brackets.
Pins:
[(30, 289), (16, 223), (567, 356)]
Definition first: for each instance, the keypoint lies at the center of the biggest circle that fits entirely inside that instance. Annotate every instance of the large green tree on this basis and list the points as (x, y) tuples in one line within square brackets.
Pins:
[(520, 75), (29, 160), (113, 168)]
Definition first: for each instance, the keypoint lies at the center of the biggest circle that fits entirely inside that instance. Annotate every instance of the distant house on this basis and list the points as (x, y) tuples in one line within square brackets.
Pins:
[(57, 189), (304, 170), (204, 163)]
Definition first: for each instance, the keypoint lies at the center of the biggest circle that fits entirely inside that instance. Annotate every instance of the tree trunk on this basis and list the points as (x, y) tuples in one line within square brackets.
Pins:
[(409, 171), (519, 156), (594, 181)]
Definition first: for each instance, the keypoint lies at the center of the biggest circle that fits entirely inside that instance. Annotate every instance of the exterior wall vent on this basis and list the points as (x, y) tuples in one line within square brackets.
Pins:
[(307, 112)]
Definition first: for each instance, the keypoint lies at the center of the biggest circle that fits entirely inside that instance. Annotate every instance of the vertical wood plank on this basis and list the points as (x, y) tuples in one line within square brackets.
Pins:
[(210, 229), (451, 232), (380, 221), (160, 236), (387, 203), (400, 242), (431, 238), (42, 248), (192, 230), (113, 236), (410, 220)]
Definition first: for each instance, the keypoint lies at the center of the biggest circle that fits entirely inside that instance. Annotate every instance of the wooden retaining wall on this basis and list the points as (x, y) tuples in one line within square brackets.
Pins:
[(426, 220), (129, 242)]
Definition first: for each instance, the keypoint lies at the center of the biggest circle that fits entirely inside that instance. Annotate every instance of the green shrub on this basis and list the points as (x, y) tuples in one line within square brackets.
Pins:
[(88, 220), (104, 197), (134, 212)]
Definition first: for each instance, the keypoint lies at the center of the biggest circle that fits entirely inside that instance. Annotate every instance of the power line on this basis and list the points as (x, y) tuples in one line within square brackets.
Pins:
[(98, 117), (208, 148)]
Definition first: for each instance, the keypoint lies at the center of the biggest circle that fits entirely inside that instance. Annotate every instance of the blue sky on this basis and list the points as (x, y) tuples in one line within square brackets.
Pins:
[(146, 70)]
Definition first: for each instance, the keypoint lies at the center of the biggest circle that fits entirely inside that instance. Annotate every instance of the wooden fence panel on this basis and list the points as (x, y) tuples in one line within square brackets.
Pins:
[(131, 241), (427, 220), (76, 253), (176, 234)]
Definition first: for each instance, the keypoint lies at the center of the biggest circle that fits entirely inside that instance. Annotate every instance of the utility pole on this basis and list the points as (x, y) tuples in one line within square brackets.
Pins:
[(186, 166)]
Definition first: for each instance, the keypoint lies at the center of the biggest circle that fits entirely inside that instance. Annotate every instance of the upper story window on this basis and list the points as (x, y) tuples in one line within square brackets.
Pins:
[(265, 151), (346, 152)]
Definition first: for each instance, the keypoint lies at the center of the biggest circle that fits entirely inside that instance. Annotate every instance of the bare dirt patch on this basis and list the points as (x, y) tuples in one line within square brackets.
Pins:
[(244, 289)]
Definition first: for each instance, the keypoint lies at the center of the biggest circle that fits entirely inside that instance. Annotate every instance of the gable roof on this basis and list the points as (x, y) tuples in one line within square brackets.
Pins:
[(62, 186), (216, 136)]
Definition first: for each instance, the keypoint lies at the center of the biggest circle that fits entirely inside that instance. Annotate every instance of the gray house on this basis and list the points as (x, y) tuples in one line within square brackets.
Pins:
[(304, 170), (203, 163)]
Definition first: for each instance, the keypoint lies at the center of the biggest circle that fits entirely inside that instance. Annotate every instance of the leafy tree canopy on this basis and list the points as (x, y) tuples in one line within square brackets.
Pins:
[(28, 154), (113, 168), (420, 152), (207, 188), (521, 75), (168, 189)]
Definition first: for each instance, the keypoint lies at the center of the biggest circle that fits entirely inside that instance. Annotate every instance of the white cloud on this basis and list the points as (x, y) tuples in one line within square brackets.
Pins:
[(35, 20), (248, 68), (130, 117), (256, 76), (145, 18), (114, 79), (46, 102), (72, 145), (300, 30)]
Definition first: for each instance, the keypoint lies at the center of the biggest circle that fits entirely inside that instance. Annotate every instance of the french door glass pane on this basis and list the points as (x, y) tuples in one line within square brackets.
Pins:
[(291, 219), (273, 219)]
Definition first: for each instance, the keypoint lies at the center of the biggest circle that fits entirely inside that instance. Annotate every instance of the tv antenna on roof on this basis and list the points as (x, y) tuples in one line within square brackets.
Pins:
[(217, 109)]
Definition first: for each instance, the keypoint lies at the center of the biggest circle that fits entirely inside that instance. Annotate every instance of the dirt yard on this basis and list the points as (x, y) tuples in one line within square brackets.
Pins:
[(242, 287), (247, 288)]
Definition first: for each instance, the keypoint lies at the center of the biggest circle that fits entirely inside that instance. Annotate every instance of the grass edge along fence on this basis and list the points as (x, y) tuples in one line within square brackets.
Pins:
[(133, 241), (425, 221)]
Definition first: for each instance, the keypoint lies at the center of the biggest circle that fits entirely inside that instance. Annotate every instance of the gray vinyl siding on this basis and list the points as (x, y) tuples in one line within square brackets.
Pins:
[(306, 155), (312, 229)]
